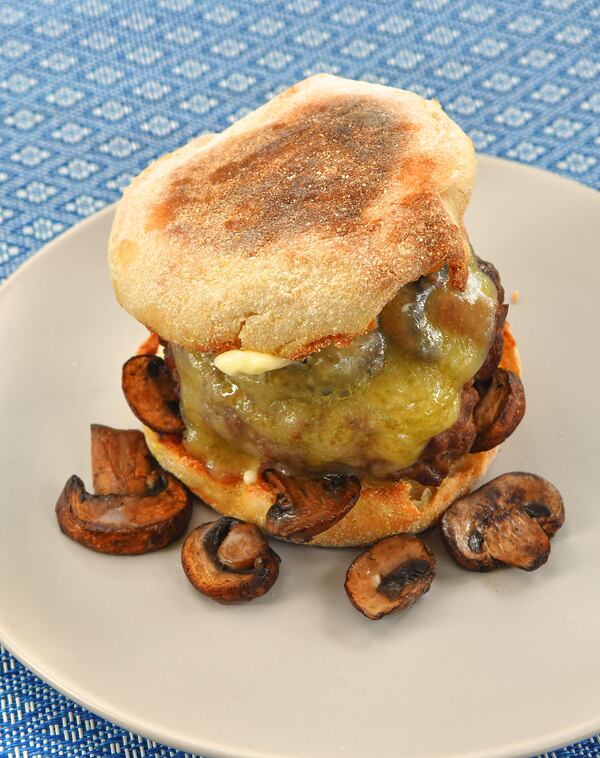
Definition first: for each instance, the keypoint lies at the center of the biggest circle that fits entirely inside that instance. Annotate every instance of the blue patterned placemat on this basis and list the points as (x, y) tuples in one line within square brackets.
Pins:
[(92, 90)]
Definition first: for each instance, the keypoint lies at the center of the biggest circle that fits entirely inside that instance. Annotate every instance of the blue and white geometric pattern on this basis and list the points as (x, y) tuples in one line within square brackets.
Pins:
[(93, 90)]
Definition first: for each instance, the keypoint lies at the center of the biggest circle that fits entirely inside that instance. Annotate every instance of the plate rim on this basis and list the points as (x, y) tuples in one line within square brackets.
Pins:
[(137, 725), (517, 750)]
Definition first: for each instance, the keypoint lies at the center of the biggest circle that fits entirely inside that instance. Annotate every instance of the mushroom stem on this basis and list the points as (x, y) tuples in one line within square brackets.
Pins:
[(121, 462)]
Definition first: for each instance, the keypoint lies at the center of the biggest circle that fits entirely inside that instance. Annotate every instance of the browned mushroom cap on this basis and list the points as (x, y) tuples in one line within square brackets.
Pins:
[(507, 521), (306, 507), (494, 355), (137, 507), (229, 561), (499, 411), (390, 576), (490, 270), (150, 391)]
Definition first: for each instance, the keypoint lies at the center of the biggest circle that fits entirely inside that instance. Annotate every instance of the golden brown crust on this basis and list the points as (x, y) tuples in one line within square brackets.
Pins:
[(295, 226), (403, 506)]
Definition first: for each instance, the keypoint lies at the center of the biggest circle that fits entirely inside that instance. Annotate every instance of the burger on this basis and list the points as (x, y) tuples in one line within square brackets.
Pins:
[(335, 354)]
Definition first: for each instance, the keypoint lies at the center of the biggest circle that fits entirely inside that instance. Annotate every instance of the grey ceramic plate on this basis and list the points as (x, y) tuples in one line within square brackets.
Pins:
[(485, 665)]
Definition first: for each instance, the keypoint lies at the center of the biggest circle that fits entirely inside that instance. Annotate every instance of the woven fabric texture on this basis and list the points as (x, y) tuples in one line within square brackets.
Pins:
[(92, 90)]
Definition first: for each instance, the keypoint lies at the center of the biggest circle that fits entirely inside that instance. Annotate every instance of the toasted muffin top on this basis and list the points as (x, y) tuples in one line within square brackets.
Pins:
[(295, 226)]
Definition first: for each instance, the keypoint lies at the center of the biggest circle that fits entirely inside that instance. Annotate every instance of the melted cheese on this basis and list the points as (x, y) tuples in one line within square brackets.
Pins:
[(370, 407), (248, 362)]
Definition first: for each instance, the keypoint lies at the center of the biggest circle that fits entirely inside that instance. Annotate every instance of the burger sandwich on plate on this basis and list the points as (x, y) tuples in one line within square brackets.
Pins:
[(330, 337)]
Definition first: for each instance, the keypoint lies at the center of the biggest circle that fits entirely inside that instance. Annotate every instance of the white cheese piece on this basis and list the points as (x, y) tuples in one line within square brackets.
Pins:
[(248, 362), (251, 476)]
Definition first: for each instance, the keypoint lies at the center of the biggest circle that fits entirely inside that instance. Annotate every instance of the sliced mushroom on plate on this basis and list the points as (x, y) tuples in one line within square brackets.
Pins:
[(508, 521), (390, 576), (137, 507), (499, 411), (306, 507), (151, 394), (229, 561)]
